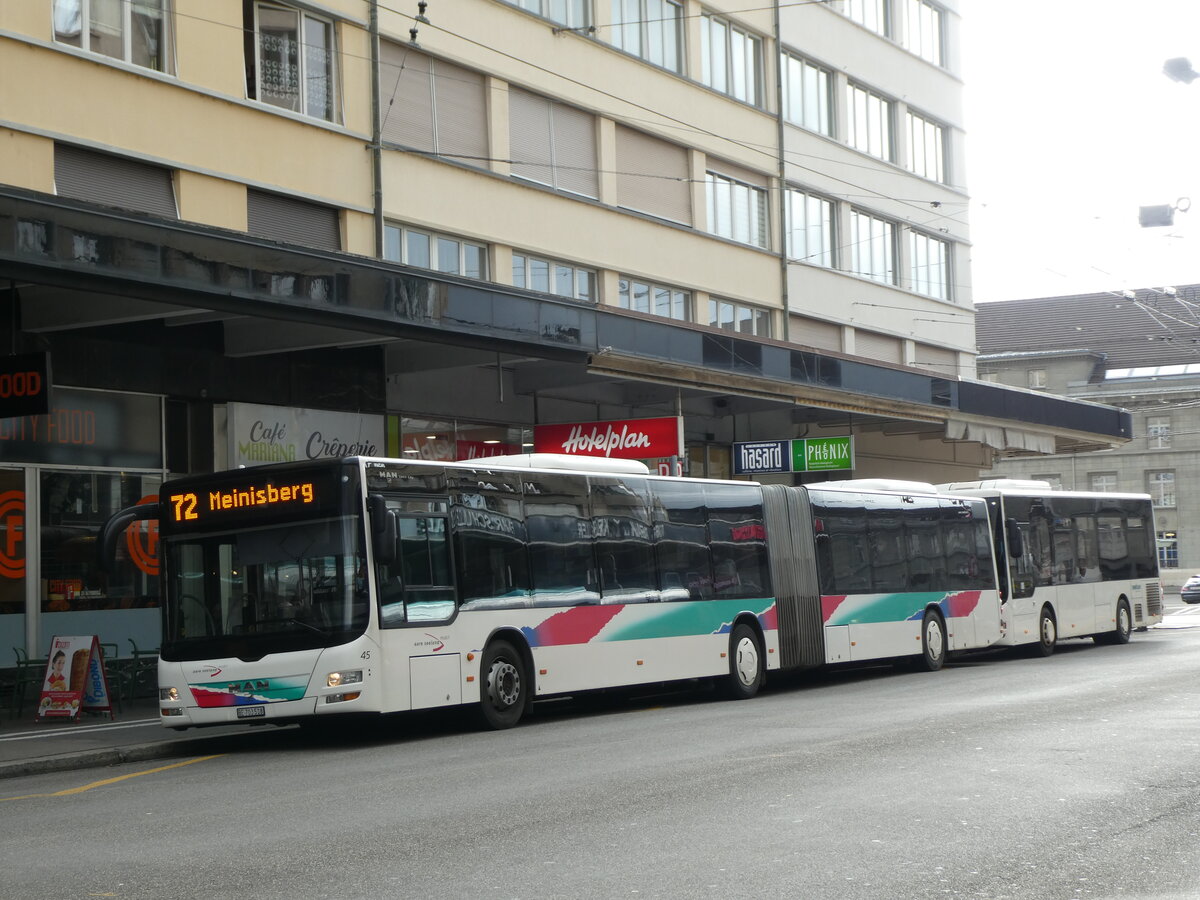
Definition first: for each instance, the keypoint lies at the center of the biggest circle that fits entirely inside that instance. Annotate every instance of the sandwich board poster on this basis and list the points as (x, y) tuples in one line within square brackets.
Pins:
[(75, 680)]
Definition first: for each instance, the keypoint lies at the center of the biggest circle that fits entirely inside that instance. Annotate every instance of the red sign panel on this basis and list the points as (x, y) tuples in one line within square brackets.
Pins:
[(624, 439)]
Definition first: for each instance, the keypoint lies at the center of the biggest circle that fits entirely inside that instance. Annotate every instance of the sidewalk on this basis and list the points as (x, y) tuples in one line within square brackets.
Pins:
[(29, 747)]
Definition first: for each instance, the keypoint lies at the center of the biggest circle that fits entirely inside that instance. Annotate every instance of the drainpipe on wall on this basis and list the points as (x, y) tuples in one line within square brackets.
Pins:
[(376, 128), (779, 127)]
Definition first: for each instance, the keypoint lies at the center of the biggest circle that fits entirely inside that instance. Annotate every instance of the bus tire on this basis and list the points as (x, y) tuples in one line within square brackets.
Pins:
[(933, 641), (747, 669), (1047, 634), (1120, 634), (504, 686)]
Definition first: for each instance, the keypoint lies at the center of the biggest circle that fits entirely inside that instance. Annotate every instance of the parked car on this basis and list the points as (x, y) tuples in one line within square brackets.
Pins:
[(1190, 592)]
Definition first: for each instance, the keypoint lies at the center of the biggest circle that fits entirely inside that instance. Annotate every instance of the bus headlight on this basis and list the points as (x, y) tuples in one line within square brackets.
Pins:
[(168, 693), (339, 679)]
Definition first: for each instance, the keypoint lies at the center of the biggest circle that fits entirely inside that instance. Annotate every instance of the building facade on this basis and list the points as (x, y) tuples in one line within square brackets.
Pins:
[(1133, 349), (245, 230)]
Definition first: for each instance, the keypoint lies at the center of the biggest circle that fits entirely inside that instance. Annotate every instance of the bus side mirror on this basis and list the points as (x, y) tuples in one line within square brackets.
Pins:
[(383, 528), (111, 531), (1016, 544)]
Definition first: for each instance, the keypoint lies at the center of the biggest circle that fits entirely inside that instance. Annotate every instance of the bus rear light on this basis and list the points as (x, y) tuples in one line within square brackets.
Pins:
[(171, 712), (543, 671), (168, 694)]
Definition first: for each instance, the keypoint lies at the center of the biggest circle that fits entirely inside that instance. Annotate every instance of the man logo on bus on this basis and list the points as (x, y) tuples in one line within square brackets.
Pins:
[(141, 540)]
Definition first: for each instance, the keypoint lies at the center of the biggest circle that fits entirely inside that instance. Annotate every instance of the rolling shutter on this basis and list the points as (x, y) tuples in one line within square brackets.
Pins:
[(653, 176), (113, 181), (292, 221)]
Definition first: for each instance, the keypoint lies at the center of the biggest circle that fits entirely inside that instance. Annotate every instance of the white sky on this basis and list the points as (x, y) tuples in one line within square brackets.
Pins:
[(1071, 126)]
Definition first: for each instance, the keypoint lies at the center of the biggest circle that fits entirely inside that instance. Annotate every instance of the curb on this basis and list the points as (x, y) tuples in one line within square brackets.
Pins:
[(113, 756)]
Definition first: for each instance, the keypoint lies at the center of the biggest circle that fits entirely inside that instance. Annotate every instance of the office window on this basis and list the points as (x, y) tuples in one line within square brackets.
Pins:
[(290, 58), (571, 13), (653, 176), (433, 106), (554, 277), (281, 218), (923, 30), (730, 316), (873, 14), (136, 32), (872, 247), (1037, 379), (655, 299), (929, 265), (552, 143), (809, 228), (731, 59), (649, 29), (1161, 487), (737, 210), (1055, 481), (990, 377), (1103, 482), (439, 252), (926, 148), (1168, 549), (113, 181), (870, 125), (807, 95), (1158, 432)]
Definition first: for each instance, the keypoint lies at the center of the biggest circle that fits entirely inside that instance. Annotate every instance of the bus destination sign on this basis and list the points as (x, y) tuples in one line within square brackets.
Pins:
[(281, 496), (796, 455)]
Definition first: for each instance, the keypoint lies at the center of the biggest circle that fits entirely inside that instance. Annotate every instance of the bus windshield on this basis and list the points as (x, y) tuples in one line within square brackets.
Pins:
[(270, 589)]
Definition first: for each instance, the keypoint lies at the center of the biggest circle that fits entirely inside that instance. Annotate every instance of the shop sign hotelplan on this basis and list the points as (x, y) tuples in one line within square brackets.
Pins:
[(796, 455), (621, 439)]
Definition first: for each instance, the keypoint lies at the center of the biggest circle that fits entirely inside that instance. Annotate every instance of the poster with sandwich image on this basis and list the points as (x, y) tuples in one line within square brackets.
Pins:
[(75, 679)]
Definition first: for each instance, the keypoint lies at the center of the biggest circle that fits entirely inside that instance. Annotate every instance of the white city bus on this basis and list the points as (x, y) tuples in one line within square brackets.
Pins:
[(1072, 564), (306, 590)]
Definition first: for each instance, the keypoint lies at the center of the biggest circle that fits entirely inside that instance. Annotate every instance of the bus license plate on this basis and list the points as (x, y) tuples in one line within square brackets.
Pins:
[(251, 712)]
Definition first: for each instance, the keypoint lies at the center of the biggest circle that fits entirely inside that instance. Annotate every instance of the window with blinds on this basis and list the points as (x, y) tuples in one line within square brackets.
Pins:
[(737, 204), (815, 333), (939, 359), (113, 181), (292, 221), (652, 176), (432, 105), (552, 143), (878, 346)]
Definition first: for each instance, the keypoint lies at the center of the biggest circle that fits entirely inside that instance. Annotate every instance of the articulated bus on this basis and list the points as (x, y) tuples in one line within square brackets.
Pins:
[(1071, 564), (301, 591)]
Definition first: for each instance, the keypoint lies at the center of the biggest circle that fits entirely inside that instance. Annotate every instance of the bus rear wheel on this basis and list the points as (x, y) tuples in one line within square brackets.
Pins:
[(1047, 633), (1120, 634), (933, 642), (746, 666), (504, 686)]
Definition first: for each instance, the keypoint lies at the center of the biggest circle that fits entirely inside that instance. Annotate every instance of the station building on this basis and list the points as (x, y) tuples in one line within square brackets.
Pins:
[(243, 230)]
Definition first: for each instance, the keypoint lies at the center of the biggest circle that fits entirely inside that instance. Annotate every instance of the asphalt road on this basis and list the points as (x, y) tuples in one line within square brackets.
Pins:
[(999, 777)]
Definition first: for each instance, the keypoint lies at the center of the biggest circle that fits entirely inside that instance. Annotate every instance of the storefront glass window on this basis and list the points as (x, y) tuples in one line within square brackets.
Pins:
[(12, 563), (74, 505)]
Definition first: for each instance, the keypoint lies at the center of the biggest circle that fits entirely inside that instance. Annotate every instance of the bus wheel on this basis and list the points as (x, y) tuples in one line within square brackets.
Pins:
[(1120, 634), (746, 671), (933, 642), (504, 691), (1047, 633)]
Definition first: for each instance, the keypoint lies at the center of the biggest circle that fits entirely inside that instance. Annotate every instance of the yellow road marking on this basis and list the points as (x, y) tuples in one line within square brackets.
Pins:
[(106, 781)]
